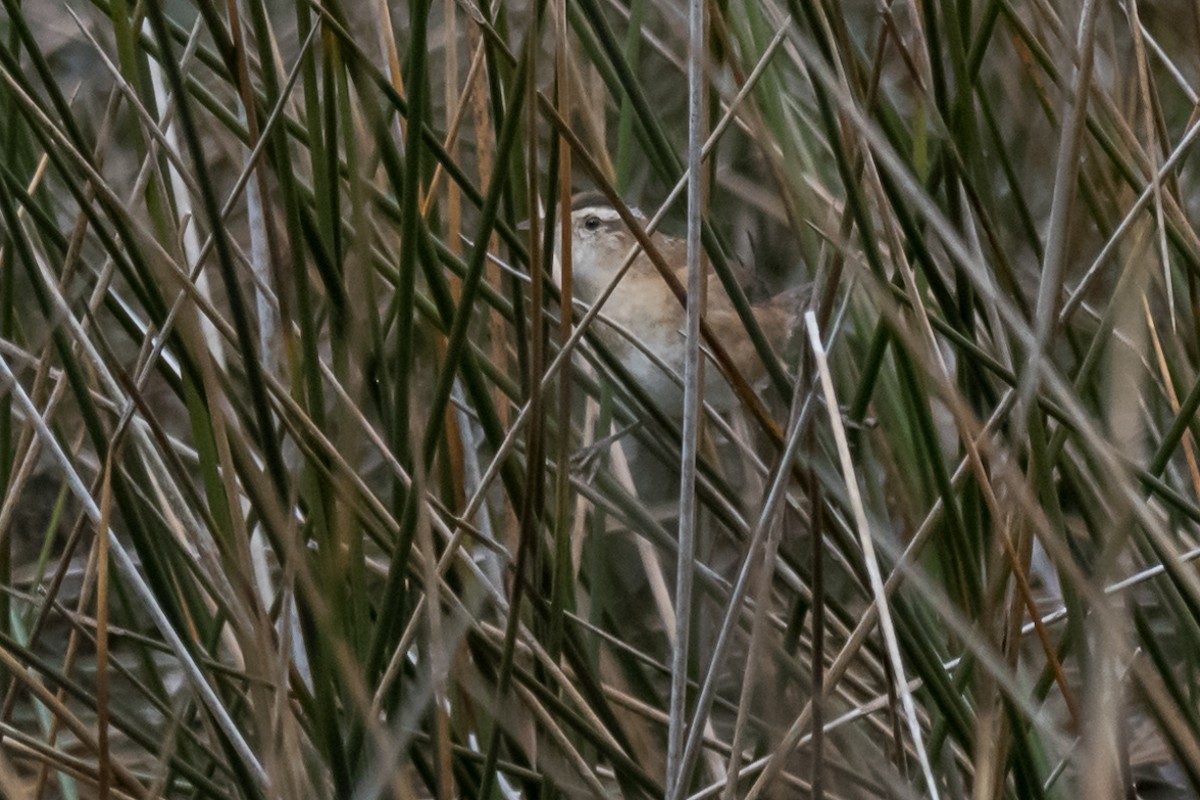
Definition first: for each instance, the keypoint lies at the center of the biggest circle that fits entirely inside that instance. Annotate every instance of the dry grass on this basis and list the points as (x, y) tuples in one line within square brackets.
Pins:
[(308, 490)]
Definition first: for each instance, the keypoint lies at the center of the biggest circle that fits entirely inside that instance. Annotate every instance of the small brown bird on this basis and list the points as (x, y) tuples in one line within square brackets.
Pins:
[(643, 307)]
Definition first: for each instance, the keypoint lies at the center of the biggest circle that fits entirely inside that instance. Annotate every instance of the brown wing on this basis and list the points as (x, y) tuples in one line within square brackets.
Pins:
[(675, 251)]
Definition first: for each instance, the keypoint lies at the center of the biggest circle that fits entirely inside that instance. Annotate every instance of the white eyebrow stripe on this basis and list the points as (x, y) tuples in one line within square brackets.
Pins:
[(605, 214)]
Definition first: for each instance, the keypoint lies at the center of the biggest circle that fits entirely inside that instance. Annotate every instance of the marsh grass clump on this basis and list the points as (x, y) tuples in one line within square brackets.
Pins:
[(320, 477)]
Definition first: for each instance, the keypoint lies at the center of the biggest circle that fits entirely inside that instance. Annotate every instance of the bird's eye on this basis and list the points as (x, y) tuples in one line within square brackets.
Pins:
[(592, 222)]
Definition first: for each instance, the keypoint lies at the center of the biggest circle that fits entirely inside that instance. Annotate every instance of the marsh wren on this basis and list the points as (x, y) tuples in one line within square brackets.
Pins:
[(644, 308)]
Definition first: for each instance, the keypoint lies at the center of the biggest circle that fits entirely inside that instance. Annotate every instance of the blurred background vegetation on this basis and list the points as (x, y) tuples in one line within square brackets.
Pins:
[(310, 491)]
